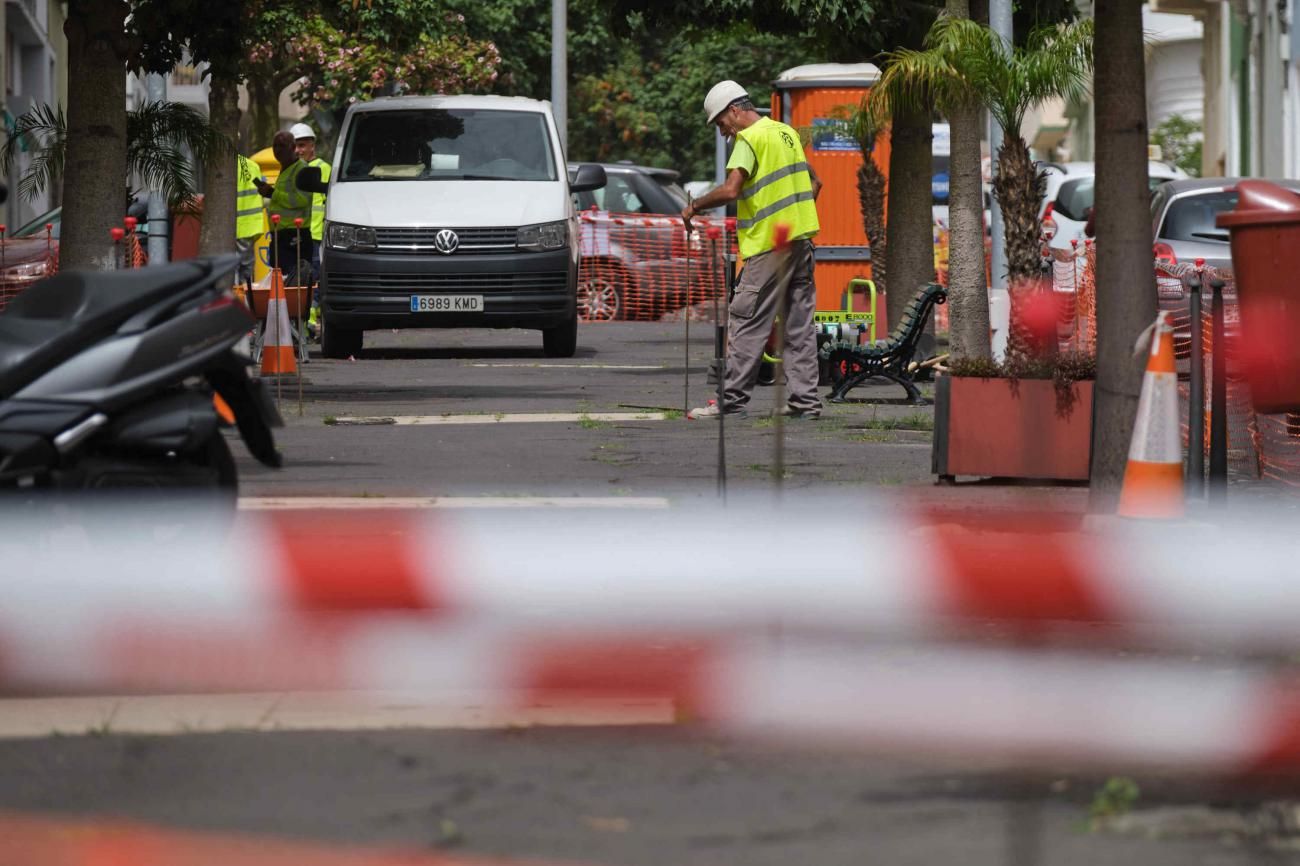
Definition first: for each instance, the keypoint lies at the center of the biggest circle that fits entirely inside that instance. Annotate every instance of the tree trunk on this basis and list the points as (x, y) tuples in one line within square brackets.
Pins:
[(217, 234), (911, 225), (264, 105), (1020, 186), (871, 199), (968, 298), (1126, 292), (94, 176)]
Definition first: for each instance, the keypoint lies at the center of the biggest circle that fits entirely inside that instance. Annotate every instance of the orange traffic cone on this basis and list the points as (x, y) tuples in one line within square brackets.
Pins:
[(1153, 480), (277, 347)]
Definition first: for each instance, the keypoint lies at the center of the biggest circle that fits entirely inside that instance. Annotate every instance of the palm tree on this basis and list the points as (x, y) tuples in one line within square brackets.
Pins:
[(963, 61), (158, 134), (1126, 295), (909, 83), (866, 127)]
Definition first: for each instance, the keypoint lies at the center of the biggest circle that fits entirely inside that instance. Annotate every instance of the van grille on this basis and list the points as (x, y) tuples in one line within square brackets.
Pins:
[(420, 240), (557, 281)]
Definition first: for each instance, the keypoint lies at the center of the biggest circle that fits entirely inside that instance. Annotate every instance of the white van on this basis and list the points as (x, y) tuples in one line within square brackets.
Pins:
[(448, 212)]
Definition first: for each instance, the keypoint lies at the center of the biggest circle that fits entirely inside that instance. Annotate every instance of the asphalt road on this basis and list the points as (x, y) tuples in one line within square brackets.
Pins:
[(875, 442), (637, 796)]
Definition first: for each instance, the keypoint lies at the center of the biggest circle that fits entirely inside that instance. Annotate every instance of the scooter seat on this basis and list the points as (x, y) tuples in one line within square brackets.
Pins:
[(49, 321)]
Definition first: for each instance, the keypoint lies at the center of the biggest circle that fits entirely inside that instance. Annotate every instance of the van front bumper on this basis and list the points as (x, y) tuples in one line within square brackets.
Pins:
[(520, 290)]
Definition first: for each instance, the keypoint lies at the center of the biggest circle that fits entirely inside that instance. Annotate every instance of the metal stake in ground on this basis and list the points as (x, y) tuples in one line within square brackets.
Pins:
[(275, 266), (302, 294), (719, 348)]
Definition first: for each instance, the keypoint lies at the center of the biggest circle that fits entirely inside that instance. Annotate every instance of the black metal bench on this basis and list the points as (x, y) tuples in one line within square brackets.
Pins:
[(851, 365)]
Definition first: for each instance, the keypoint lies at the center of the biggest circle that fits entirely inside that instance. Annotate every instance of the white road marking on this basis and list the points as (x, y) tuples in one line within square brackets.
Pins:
[(304, 711), (582, 366), (499, 418), (299, 503)]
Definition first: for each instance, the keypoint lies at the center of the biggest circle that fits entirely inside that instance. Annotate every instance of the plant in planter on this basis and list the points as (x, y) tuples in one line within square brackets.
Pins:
[(1029, 416)]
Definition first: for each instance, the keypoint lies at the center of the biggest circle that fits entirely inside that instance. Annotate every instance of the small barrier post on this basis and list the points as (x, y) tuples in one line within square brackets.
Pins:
[(1196, 389), (1218, 487), (719, 349)]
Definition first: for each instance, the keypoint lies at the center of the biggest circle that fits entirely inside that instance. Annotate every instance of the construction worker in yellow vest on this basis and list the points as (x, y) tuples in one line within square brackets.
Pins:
[(304, 142), (289, 203), (250, 217), (772, 184)]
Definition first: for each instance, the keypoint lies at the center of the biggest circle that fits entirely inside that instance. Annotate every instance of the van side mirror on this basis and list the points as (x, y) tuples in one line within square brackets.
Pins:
[(588, 177), (308, 180)]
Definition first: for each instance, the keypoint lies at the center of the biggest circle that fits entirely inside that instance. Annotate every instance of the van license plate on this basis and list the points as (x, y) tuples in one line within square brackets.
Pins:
[(446, 303)]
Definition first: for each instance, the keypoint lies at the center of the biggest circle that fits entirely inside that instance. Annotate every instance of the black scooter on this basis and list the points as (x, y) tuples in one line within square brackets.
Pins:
[(107, 382)]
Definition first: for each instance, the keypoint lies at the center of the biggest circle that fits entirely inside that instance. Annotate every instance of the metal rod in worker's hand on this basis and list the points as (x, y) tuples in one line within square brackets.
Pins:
[(1218, 487), (1196, 391), (785, 269), (687, 228), (718, 348)]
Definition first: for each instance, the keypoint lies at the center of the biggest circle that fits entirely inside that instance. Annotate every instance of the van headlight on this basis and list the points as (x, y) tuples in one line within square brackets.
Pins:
[(544, 236), (357, 239)]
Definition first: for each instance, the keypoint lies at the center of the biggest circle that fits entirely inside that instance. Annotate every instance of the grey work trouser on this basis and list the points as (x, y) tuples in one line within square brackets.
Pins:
[(752, 312)]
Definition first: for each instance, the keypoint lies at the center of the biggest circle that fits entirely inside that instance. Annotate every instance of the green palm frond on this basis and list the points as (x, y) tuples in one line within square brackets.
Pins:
[(42, 132), (158, 137), (158, 134), (964, 61)]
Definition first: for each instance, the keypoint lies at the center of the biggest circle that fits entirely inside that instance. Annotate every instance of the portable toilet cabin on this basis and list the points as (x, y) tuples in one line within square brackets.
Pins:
[(809, 98)]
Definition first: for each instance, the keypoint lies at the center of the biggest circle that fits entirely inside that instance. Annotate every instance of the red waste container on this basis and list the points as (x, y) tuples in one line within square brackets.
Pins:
[(1266, 265)]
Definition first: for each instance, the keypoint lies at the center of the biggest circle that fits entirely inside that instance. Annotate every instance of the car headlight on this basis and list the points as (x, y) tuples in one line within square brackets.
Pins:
[(544, 236), (26, 271), (354, 238)]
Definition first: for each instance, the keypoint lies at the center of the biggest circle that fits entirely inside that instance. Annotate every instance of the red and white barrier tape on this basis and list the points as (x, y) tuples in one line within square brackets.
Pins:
[(824, 564)]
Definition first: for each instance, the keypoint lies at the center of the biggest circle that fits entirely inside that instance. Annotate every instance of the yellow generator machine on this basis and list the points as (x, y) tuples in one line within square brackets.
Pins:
[(270, 169)]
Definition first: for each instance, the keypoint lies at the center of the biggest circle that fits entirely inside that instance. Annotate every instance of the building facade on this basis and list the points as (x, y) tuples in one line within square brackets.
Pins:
[(34, 72)]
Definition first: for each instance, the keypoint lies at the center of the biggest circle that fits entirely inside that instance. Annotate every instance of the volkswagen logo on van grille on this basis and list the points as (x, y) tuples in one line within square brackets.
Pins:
[(446, 242)]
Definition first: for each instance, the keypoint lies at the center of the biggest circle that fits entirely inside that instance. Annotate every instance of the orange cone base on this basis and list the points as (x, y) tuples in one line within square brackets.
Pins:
[(278, 361), (1152, 490)]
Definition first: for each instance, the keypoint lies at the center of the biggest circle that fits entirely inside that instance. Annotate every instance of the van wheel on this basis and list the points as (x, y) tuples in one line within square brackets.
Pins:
[(336, 342), (562, 340)]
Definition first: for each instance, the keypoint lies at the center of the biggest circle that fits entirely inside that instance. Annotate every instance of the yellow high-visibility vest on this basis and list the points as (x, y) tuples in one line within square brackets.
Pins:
[(288, 201), (250, 217), (779, 191), (318, 200)]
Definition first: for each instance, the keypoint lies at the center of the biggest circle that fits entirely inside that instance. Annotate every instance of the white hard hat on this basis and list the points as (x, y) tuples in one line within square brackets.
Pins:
[(722, 95), (301, 130)]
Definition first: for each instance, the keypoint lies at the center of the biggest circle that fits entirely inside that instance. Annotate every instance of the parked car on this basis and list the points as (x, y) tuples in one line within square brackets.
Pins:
[(28, 255), (1183, 214), (1064, 210), (633, 250), (631, 188)]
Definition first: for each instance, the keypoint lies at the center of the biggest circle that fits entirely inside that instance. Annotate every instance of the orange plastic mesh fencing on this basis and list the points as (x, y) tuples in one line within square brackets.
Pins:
[(638, 267), (1074, 288), (22, 270), (133, 254)]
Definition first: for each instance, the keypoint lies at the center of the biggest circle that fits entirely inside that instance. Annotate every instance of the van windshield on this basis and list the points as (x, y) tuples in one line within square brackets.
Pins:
[(448, 144)]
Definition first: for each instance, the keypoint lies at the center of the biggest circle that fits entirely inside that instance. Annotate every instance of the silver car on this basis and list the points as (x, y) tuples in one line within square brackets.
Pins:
[(1183, 215)]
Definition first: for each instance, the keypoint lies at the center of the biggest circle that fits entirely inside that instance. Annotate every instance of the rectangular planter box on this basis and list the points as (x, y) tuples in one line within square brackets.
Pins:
[(996, 428)]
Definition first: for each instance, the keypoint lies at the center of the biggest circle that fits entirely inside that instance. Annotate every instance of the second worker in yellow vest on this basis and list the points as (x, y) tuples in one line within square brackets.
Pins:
[(770, 180), (250, 218), (289, 203), (304, 142)]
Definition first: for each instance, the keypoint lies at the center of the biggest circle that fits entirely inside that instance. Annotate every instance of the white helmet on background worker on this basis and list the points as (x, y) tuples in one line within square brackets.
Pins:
[(301, 130), (720, 98)]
